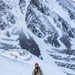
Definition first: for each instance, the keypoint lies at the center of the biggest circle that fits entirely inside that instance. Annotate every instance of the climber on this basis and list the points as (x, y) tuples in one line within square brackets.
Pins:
[(37, 70)]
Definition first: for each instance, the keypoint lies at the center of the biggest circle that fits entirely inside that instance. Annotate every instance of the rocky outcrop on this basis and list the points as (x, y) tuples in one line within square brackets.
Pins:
[(29, 44), (22, 5), (6, 17)]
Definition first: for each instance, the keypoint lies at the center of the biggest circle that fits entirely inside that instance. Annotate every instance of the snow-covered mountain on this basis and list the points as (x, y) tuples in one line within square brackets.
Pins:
[(45, 28)]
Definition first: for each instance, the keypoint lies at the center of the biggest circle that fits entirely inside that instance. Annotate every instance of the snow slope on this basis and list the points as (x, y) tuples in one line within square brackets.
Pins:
[(10, 66), (39, 27)]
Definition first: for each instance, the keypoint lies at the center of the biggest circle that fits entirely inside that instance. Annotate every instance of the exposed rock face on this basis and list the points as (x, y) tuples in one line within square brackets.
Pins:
[(29, 44), (6, 17), (37, 20), (22, 4)]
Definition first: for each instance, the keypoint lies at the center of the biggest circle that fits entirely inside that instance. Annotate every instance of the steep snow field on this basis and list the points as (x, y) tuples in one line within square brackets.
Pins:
[(53, 19), (9, 66)]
